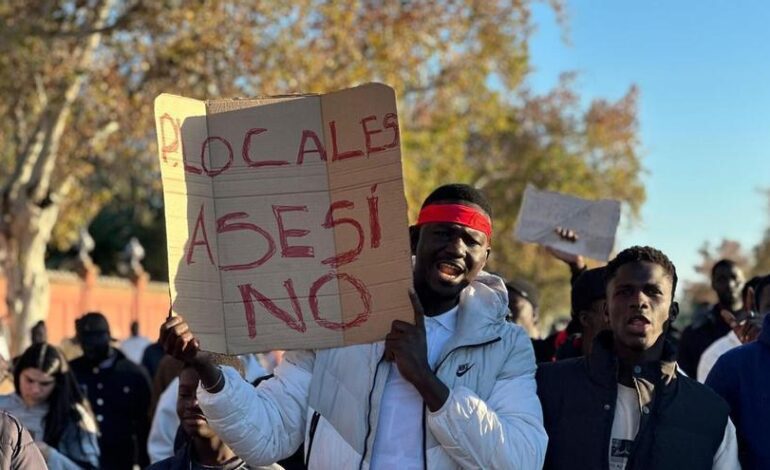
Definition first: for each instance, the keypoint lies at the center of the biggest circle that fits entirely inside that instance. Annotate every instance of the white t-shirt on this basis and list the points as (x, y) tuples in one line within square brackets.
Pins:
[(625, 426), (134, 346), (713, 352), (399, 429)]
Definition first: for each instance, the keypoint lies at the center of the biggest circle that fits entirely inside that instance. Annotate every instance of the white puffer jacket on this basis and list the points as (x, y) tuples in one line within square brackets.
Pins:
[(330, 399)]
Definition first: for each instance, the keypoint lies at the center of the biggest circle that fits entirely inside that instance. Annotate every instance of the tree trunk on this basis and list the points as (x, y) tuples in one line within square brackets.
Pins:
[(28, 288)]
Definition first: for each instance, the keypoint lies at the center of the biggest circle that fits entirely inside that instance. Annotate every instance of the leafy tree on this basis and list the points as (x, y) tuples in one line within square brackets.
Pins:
[(78, 79)]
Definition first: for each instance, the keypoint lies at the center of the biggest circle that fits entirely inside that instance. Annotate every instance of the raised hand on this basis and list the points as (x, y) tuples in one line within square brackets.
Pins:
[(178, 340), (407, 346), (746, 330), (574, 261)]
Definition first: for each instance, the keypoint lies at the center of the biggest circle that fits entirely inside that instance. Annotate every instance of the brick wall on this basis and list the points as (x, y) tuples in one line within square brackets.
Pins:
[(120, 300)]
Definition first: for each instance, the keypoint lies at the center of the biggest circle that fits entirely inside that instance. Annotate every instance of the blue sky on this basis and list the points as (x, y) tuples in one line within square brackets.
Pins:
[(703, 69)]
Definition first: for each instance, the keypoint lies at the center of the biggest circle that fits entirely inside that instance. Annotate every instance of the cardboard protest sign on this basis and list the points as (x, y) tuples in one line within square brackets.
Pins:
[(596, 222), (286, 218)]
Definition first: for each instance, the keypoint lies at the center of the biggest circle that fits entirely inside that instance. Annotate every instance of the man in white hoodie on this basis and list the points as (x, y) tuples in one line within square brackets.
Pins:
[(456, 389)]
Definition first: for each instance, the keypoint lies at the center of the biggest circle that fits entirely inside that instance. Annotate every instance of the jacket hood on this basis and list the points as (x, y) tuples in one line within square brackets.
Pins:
[(483, 306)]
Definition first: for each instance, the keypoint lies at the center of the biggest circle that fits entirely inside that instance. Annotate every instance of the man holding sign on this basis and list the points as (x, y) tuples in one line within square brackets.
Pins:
[(454, 389)]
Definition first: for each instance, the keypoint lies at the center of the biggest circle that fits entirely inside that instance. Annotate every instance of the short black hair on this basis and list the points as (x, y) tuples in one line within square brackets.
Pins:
[(459, 192), (588, 288), (750, 284), (762, 284), (722, 263), (524, 289), (637, 254)]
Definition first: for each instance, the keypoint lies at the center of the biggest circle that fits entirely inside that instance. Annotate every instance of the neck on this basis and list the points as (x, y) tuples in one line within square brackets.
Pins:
[(433, 306), (211, 451), (631, 357)]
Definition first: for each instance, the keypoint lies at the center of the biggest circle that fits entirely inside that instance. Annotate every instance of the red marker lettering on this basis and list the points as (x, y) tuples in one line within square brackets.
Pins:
[(368, 133), (247, 151), (319, 148), (351, 255), (363, 292), (390, 121), (284, 233), (374, 218), (248, 292), (207, 143), (199, 225), (336, 155), (225, 225)]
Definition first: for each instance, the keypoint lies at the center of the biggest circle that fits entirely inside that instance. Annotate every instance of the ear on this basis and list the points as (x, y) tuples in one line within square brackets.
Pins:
[(750, 307), (583, 318), (673, 312), (414, 237)]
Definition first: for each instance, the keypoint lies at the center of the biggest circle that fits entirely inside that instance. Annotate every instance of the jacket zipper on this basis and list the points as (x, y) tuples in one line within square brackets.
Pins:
[(311, 434), (425, 407), (369, 414)]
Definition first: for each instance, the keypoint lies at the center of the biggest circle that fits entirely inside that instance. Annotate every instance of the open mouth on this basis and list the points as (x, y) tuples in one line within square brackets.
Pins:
[(639, 323), (449, 270), (194, 417)]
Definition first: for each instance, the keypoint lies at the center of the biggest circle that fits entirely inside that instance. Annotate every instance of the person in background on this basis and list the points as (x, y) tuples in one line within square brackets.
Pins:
[(523, 306), (39, 333), (17, 449), (201, 447), (133, 346), (727, 281), (626, 405), (742, 377), (587, 315), (731, 339), (119, 392), (160, 444), (49, 403), (563, 342)]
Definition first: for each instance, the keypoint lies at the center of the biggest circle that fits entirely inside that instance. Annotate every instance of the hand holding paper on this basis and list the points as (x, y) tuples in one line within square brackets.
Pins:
[(592, 224)]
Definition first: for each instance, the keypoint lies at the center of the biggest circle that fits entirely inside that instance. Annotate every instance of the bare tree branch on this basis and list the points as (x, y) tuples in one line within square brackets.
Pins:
[(45, 165)]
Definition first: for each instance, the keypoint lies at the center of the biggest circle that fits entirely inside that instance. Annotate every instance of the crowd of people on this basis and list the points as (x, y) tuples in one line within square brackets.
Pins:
[(468, 384)]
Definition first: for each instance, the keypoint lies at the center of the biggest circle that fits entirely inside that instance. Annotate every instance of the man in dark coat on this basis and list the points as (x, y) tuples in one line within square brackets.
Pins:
[(727, 281), (742, 377), (624, 406), (119, 392)]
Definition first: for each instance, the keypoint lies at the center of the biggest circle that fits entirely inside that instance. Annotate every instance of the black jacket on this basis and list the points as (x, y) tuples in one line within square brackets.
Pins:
[(682, 422), (704, 330), (119, 393)]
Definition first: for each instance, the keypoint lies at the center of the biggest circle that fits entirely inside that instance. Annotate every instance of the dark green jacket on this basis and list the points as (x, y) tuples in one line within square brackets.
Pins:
[(682, 421)]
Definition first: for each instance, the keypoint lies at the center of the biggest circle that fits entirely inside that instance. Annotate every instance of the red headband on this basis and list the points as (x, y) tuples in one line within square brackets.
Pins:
[(456, 214)]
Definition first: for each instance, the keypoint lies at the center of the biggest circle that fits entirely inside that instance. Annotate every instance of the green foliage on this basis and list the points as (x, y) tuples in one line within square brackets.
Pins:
[(458, 67)]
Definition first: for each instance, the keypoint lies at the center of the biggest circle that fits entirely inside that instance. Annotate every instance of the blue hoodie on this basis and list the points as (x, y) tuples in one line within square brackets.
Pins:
[(742, 377)]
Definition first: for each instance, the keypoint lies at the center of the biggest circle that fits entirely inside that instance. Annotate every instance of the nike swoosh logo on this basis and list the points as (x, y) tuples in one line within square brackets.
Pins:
[(463, 369)]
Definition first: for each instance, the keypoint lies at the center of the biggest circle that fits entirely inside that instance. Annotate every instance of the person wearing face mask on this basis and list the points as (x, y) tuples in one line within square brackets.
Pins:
[(119, 392), (742, 377), (50, 405)]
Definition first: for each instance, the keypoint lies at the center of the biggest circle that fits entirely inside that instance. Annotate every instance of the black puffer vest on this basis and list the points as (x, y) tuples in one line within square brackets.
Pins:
[(682, 421)]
